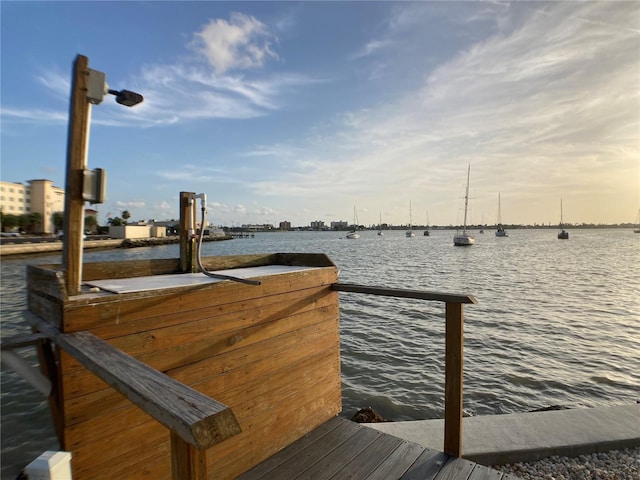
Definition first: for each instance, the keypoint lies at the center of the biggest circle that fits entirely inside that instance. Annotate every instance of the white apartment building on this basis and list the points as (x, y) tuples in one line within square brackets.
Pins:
[(38, 196)]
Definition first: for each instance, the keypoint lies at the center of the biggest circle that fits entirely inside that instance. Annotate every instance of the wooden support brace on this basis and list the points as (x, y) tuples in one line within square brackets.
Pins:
[(22, 341), (49, 368), (187, 461)]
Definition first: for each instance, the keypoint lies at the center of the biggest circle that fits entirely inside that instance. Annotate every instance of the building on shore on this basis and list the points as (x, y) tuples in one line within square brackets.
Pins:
[(318, 225), (340, 225), (37, 196)]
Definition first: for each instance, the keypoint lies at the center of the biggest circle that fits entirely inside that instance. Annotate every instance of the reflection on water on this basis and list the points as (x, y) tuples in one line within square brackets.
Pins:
[(557, 323)]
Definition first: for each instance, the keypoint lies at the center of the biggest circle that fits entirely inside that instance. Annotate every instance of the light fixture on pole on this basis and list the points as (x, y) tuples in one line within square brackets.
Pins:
[(88, 88)]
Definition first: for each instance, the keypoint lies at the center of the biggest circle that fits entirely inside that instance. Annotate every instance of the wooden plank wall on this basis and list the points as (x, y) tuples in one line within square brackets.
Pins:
[(270, 352)]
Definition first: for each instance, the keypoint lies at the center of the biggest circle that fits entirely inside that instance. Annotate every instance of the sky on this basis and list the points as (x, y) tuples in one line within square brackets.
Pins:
[(301, 111)]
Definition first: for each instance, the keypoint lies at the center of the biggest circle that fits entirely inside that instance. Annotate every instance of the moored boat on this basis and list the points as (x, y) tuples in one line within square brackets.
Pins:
[(354, 234), (562, 234), (464, 238), (500, 231), (410, 233)]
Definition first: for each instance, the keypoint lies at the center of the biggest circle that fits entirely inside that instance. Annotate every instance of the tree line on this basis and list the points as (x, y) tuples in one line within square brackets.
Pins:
[(32, 223)]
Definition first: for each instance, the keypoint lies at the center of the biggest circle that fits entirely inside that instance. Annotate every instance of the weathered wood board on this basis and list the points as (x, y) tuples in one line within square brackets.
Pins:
[(270, 352)]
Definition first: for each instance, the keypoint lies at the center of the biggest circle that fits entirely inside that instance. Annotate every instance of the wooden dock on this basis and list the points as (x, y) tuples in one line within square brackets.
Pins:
[(342, 449), (226, 377)]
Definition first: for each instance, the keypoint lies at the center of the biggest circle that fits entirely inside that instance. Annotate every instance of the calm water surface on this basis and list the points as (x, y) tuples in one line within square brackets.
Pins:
[(557, 323)]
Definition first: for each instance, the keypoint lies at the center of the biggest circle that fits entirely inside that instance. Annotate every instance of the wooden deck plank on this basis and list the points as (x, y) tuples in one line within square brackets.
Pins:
[(427, 466), (398, 462), (480, 472), (343, 450), (455, 469), (292, 450), (375, 454), (289, 466), (326, 467)]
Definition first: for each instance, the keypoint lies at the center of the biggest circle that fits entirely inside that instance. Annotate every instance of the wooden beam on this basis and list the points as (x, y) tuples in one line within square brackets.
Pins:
[(77, 144), (454, 340), (49, 366), (22, 341), (196, 418), (187, 244), (404, 293)]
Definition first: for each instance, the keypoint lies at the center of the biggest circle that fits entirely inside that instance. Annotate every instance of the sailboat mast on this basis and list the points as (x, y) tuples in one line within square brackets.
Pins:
[(410, 219), (466, 197)]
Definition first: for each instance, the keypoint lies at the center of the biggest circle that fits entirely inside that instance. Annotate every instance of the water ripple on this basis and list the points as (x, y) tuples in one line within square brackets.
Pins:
[(557, 322)]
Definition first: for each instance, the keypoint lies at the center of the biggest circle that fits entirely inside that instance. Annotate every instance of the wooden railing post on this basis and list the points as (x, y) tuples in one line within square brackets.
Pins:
[(188, 462), (454, 340), (454, 345)]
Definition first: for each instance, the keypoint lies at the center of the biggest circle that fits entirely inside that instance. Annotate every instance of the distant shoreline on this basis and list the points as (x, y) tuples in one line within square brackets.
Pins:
[(28, 249)]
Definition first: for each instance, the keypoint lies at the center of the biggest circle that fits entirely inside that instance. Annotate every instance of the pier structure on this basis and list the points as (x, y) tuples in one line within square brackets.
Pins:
[(176, 375), (157, 370)]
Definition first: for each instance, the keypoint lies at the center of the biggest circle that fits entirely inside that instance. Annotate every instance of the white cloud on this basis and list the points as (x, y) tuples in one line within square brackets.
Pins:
[(187, 90), (240, 43), (35, 115), (130, 204), (371, 48), (543, 103), (59, 84), (265, 211), (164, 206)]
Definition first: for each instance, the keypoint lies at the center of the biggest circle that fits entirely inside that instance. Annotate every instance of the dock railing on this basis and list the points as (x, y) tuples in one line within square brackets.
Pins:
[(454, 352), (196, 422)]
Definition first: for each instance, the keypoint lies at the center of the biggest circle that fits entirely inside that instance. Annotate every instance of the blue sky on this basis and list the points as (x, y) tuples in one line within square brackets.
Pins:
[(299, 111)]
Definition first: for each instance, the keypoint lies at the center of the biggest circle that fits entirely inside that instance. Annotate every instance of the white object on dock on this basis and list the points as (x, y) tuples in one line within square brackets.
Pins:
[(159, 282), (50, 466)]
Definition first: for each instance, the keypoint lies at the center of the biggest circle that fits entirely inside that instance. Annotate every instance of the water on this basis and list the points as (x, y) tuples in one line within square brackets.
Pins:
[(557, 323)]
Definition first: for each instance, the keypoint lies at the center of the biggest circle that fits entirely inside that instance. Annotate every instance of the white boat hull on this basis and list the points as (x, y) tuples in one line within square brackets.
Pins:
[(353, 236), (463, 240)]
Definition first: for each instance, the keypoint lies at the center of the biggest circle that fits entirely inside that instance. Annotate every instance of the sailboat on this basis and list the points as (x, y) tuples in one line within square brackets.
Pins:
[(464, 239), (637, 229), (410, 233), (562, 234), (500, 231), (380, 225), (426, 232), (354, 234)]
